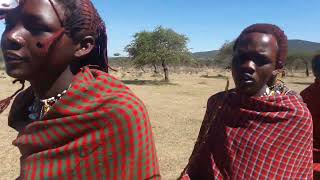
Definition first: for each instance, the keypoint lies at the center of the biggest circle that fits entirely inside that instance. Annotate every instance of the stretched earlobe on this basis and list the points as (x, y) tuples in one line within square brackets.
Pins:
[(279, 72), (275, 72), (279, 64), (274, 76), (85, 47)]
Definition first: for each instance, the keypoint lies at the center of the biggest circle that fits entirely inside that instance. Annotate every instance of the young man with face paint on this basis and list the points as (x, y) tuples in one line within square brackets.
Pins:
[(75, 121), (311, 97), (260, 129)]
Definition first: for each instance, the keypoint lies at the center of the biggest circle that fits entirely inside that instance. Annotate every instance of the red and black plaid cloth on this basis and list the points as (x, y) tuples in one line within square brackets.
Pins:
[(311, 96), (267, 137), (98, 130)]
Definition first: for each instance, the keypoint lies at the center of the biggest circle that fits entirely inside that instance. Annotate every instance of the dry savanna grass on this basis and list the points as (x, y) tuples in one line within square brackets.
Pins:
[(176, 110)]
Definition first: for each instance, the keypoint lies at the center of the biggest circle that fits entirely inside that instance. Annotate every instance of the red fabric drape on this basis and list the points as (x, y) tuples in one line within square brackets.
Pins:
[(98, 130), (254, 138), (311, 96)]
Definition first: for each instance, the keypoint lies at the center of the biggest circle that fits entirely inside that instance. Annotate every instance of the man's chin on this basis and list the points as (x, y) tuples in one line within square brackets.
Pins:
[(247, 90), (17, 74)]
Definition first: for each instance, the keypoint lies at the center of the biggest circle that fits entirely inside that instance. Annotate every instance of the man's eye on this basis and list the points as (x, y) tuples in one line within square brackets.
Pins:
[(239, 59), (37, 29), (260, 60)]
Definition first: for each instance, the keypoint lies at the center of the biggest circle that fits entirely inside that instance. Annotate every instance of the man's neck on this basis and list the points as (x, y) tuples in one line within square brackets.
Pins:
[(46, 88), (262, 91)]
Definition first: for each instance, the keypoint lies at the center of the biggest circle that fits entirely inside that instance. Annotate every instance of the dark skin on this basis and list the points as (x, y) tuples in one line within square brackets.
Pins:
[(316, 67), (254, 62), (48, 73)]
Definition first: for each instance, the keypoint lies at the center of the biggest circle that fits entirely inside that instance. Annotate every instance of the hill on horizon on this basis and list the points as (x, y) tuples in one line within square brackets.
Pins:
[(294, 46), (205, 54), (297, 45)]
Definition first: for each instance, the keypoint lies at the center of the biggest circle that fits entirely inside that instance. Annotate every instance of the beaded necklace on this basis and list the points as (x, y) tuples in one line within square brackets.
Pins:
[(40, 107), (268, 92), (277, 89)]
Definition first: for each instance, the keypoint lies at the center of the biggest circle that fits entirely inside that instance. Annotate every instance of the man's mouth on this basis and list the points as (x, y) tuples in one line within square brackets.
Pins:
[(12, 58), (246, 77)]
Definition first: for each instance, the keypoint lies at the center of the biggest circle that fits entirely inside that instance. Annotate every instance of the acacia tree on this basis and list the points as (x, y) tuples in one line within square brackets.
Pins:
[(161, 46), (140, 49), (224, 56), (298, 61)]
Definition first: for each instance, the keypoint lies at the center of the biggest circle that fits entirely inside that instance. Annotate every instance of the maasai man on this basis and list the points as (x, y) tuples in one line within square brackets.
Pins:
[(311, 96), (257, 130), (75, 121)]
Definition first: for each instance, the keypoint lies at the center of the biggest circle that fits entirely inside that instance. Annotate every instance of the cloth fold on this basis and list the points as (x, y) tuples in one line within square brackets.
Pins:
[(268, 137)]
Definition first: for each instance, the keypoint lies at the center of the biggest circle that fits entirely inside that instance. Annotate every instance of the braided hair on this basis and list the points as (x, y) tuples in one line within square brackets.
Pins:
[(274, 30), (82, 19)]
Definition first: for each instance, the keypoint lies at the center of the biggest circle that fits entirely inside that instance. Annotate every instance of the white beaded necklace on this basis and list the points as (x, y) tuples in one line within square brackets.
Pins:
[(40, 107), (267, 93)]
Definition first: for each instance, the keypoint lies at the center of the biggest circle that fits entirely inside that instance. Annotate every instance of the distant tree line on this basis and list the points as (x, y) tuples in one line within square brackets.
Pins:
[(296, 60), (163, 47)]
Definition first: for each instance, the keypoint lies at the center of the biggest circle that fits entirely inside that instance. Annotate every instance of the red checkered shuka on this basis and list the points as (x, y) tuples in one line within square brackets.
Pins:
[(311, 97), (98, 130), (254, 138)]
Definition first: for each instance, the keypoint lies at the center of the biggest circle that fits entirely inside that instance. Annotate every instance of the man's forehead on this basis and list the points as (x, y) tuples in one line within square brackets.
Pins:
[(258, 39), (40, 11), (33, 5), (40, 8)]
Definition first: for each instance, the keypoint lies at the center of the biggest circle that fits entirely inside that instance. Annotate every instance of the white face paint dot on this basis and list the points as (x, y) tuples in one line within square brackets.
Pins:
[(265, 38)]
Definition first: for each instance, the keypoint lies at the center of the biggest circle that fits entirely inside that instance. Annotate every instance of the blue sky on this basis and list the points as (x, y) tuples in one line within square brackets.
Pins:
[(207, 23)]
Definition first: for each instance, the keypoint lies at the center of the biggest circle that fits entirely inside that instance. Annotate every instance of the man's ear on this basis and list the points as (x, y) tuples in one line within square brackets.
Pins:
[(84, 47)]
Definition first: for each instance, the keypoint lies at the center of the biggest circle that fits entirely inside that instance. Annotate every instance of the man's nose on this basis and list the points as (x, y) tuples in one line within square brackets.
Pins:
[(14, 39), (249, 66)]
